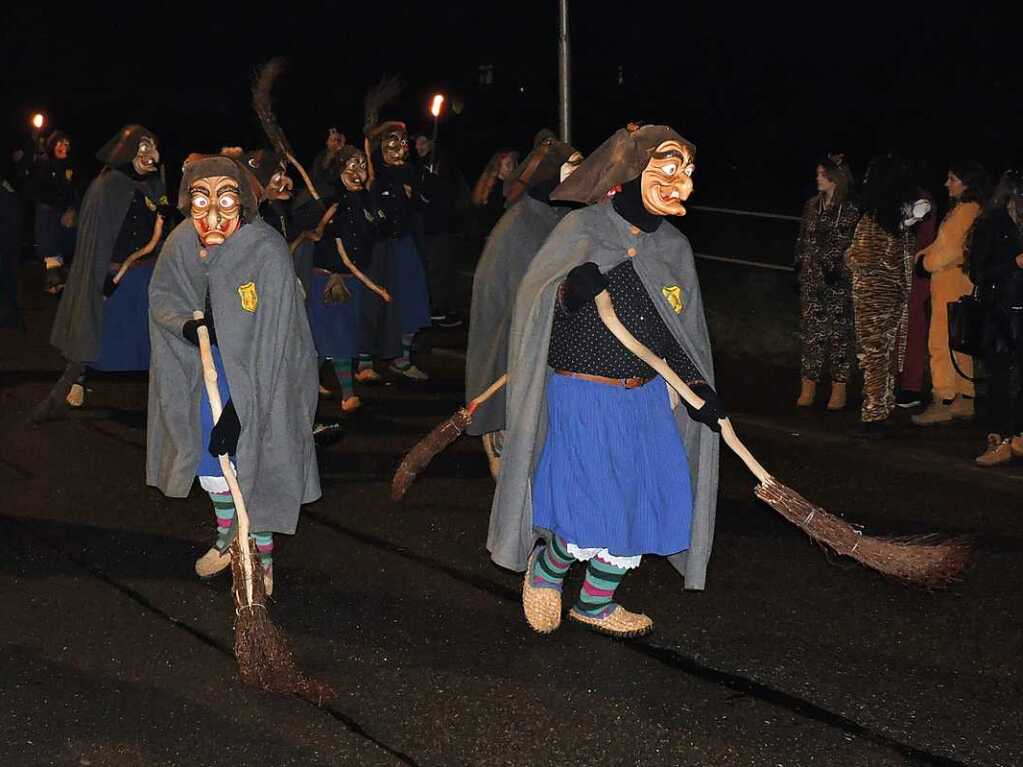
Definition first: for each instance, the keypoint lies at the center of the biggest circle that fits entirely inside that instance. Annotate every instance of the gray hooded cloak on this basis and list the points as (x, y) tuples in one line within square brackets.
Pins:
[(268, 354), (510, 249), (663, 261), (78, 325)]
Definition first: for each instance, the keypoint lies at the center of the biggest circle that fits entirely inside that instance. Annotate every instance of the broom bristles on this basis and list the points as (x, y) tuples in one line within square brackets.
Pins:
[(926, 560), (419, 457), (266, 660)]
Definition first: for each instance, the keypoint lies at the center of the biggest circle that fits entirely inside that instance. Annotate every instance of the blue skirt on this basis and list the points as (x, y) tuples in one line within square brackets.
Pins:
[(409, 288), (613, 472), (125, 341), (335, 327)]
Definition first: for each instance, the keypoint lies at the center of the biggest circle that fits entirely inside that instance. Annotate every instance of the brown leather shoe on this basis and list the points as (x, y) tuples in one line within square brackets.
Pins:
[(619, 623), (962, 408), (837, 399), (937, 412), (541, 606), (998, 452), (807, 392)]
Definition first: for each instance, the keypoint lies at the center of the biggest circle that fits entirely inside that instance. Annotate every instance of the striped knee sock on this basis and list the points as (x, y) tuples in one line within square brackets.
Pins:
[(365, 362), (265, 547), (406, 351), (552, 565), (343, 371), (223, 507), (596, 597)]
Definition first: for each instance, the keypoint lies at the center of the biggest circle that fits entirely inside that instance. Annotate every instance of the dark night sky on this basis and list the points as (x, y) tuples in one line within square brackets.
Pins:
[(761, 93)]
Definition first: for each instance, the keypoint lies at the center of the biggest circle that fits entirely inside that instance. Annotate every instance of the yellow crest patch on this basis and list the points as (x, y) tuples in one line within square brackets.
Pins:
[(674, 295), (69, 174), (150, 204), (249, 297)]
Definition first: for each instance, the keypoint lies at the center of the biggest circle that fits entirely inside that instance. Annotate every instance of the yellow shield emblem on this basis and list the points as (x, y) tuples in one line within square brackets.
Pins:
[(674, 295), (250, 299)]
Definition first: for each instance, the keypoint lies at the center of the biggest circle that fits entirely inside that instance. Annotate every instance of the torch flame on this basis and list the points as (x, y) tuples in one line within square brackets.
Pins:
[(438, 100), (38, 120)]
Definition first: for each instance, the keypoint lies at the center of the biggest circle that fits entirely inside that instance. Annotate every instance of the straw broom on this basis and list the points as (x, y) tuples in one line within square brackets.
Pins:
[(265, 658), (921, 560), (419, 457)]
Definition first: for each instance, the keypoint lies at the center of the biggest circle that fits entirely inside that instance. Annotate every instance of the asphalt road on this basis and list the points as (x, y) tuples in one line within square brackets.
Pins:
[(112, 652)]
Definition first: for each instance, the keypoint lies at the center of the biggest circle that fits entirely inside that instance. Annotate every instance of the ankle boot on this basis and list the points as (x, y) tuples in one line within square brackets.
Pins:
[(807, 393), (837, 399)]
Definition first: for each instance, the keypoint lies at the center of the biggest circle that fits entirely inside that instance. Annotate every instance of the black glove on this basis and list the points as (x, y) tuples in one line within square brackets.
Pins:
[(109, 286), (920, 270), (225, 433), (582, 285), (169, 214), (713, 409), (190, 330)]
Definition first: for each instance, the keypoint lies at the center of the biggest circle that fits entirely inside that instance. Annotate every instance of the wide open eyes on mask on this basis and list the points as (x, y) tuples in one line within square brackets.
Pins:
[(216, 208), (394, 147), (147, 157), (667, 179), (355, 172)]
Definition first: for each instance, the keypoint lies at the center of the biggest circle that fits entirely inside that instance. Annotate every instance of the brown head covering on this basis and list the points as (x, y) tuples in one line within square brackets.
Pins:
[(542, 164), (375, 133), (620, 159), (262, 163), (123, 147), (203, 166)]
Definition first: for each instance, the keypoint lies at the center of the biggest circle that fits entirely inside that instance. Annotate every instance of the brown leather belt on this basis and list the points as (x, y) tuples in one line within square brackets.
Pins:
[(625, 383)]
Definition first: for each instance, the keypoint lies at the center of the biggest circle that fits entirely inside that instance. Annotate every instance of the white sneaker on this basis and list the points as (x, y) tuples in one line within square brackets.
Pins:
[(411, 372)]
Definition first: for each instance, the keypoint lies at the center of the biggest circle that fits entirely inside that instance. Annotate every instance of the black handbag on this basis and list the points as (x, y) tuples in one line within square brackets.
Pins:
[(967, 319)]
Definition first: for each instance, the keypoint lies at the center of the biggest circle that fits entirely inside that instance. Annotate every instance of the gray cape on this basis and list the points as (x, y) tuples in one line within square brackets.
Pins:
[(664, 260), (270, 363), (509, 251), (78, 325)]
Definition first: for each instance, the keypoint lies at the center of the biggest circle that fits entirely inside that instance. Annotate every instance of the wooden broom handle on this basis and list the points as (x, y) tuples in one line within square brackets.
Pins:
[(608, 316), (209, 375), (304, 175), (490, 392), (145, 250)]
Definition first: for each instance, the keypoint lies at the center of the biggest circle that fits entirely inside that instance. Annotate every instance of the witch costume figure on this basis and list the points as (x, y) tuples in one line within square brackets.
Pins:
[(234, 267), (599, 460), (101, 320), (390, 327), (347, 234), (510, 249)]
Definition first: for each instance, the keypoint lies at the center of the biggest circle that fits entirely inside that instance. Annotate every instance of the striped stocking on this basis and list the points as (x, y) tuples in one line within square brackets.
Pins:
[(596, 597)]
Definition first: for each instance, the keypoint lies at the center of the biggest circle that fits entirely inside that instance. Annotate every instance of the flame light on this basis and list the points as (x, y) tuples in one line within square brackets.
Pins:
[(438, 101), (38, 120)]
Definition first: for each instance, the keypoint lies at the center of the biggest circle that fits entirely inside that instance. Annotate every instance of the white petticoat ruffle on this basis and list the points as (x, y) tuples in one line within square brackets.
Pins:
[(585, 555)]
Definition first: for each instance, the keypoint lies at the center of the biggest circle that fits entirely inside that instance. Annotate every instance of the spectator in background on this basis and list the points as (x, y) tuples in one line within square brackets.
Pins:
[(56, 209), (442, 194), (488, 194), (968, 185), (879, 258), (924, 222), (825, 290), (994, 262)]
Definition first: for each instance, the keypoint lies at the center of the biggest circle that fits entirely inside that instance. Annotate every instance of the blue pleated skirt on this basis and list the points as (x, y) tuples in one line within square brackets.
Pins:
[(209, 466), (125, 342), (613, 472), (410, 291), (335, 327)]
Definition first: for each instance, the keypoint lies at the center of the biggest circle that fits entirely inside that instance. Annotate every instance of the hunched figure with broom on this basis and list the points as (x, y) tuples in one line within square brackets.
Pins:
[(235, 268), (598, 458)]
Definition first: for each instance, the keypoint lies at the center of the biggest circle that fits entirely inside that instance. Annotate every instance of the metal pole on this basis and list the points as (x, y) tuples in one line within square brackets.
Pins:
[(565, 78)]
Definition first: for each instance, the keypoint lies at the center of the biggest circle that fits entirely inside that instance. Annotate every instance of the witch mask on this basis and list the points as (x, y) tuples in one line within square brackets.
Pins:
[(147, 158), (394, 146), (216, 208), (354, 170), (667, 179)]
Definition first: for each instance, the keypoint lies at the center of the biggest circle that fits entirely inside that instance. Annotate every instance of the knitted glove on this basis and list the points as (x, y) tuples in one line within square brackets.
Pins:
[(225, 433), (109, 286), (169, 214), (582, 285), (190, 330), (713, 409)]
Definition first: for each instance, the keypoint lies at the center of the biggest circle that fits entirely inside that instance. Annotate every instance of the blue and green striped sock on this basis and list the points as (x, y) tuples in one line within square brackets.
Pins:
[(596, 597), (223, 507), (343, 371), (365, 362), (405, 360), (265, 547), (552, 564)]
